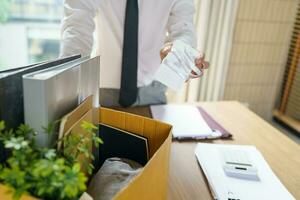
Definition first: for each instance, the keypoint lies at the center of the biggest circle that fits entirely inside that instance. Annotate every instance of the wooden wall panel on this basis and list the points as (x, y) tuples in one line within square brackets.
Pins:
[(261, 41)]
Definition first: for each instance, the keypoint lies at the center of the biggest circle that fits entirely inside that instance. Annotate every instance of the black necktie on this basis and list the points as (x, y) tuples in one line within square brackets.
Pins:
[(128, 91)]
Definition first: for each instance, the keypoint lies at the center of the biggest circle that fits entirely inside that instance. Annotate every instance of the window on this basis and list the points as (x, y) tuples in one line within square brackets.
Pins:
[(29, 31)]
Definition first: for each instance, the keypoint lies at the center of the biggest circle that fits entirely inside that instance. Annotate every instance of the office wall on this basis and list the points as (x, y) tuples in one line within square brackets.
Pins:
[(261, 39)]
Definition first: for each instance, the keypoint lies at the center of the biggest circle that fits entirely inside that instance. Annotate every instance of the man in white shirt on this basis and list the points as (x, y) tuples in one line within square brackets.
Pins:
[(132, 38)]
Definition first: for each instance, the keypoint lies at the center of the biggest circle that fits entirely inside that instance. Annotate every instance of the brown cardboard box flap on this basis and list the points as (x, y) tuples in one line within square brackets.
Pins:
[(152, 182)]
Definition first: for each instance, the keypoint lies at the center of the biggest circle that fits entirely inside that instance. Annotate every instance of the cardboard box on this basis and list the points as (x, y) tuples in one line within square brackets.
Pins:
[(152, 182)]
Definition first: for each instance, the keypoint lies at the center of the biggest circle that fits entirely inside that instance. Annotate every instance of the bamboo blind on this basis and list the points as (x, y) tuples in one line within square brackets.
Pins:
[(259, 52), (290, 94)]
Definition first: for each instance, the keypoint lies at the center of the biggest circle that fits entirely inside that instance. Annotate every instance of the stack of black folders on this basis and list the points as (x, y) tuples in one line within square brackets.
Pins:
[(11, 93), (122, 144)]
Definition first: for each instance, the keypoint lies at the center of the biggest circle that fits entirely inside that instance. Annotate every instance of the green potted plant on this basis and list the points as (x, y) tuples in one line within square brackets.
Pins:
[(47, 173)]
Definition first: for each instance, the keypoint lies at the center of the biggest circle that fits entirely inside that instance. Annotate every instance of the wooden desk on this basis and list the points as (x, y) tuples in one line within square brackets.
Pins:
[(283, 155)]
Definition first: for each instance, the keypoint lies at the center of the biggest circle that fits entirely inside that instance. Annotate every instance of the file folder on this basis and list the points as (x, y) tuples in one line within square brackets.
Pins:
[(189, 122), (50, 94), (11, 93), (11, 90)]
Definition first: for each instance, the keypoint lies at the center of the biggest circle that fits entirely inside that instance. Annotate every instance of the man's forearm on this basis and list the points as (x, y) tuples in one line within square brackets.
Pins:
[(181, 22), (77, 27)]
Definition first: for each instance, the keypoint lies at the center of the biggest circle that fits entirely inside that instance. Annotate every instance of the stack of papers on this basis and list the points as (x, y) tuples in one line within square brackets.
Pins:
[(186, 120), (224, 187)]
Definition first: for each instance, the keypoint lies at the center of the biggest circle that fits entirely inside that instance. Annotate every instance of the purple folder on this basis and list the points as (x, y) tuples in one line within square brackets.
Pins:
[(213, 124)]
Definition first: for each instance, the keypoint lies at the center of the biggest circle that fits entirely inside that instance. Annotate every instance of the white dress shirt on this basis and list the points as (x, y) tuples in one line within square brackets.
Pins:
[(160, 21)]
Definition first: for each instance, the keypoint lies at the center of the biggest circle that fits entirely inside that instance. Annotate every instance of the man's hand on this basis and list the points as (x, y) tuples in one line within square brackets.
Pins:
[(199, 62), (165, 50)]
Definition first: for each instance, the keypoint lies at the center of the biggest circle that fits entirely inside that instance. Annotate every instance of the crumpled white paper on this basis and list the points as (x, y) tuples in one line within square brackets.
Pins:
[(177, 66)]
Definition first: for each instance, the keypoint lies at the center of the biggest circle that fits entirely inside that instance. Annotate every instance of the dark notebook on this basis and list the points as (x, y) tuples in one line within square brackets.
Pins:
[(122, 144), (11, 93)]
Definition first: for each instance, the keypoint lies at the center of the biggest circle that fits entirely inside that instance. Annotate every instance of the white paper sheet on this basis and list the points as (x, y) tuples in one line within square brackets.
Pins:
[(187, 121), (177, 66), (224, 187)]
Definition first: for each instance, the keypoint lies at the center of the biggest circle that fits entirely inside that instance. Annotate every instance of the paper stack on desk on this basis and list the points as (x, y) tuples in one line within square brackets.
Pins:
[(186, 120), (224, 187)]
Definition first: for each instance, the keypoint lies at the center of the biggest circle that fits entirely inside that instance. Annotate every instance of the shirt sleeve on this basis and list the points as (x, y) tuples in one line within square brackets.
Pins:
[(181, 22), (77, 27)]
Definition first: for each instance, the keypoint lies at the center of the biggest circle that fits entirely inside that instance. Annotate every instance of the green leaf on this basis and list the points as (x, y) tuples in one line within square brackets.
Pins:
[(50, 154), (88, 126), (2, 125), (16, 143), (49, 129), (76, 168), (99, 140), (25, 131)]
